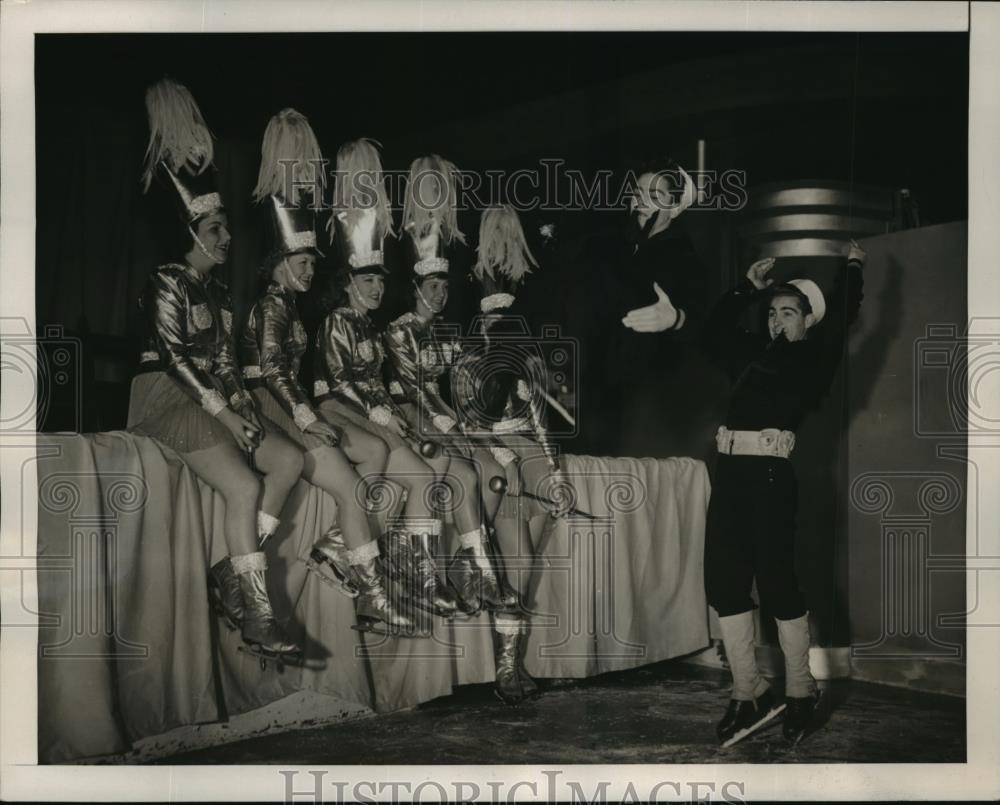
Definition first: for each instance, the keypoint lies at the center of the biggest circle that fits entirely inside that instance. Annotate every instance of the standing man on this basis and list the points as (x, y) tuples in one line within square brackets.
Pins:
[(646, 387), (780, 374)]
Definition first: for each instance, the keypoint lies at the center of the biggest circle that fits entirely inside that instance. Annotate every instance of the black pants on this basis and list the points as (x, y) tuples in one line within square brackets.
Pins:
[(751, 534)]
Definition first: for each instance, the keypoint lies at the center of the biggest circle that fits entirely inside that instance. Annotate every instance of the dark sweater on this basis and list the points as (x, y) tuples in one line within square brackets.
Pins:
[(776, 383)]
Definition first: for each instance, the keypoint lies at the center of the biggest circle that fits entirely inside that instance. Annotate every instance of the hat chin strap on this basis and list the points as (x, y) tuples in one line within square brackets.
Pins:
[(202, 249), (358, 295), (428, 305), (294, 282)]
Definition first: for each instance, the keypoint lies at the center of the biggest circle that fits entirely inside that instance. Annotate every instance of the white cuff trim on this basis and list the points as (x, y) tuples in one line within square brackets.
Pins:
[(380, 415), (266, 524), (303, 416), (443, 423), (248, 562), (240, 398), (508, 626), (363, 554), (504, 455), (213, 402)]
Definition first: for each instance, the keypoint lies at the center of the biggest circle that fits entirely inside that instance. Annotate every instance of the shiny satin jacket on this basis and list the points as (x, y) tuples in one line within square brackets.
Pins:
[(418, 358), (349, 356), (188, 323), (271, 349), (494, 391)]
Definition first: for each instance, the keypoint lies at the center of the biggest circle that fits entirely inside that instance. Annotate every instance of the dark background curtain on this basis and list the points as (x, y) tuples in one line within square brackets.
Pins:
[(886, 110)]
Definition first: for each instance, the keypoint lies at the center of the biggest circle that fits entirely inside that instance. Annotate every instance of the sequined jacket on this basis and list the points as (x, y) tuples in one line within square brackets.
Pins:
[(494, 391), (271, 349), (418, 358), (188, 323), (349, 356)]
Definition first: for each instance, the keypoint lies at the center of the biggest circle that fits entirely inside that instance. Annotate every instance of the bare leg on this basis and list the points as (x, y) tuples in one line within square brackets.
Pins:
[(367, 452), (411, 472), (280, 460), (225, 469), (329, 469), (463, 481)]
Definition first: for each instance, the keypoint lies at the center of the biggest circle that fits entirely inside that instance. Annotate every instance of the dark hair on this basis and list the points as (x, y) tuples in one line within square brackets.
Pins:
[(787, 289), (666, 167), (334, 293)]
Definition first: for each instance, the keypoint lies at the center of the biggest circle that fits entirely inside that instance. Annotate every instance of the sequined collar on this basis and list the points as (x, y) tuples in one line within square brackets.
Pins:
[(278, 288), (348, 310)]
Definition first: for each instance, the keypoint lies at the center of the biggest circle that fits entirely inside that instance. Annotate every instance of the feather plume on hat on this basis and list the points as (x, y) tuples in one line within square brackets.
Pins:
[(361, 186), (431, 198), (502, 246), (178, 135), (290, 141)]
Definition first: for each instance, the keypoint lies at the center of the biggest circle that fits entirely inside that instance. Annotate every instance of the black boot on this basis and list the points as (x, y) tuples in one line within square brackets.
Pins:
[(430, 591), (331, 551), (399, 560), (261, 630), (374, 606), (528, 685), (798, 717), (744, 717), (224, 593), (508, 682), (464, 578)]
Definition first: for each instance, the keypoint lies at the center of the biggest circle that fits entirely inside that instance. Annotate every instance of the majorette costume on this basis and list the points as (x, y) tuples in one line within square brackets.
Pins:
[(274, 340), (751, 519), (271, 350), (187, 371), (496, 385), (420, 355), (349, 357)]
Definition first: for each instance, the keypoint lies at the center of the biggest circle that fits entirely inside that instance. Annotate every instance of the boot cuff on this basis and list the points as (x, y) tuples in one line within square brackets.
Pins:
[(470, 539), (248, 562), (266, 524), (420, 525), (363, 554), (508, 626)]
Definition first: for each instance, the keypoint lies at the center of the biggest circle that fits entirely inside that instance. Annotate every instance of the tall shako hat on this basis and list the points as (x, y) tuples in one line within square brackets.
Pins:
[(361, 217), (180, 151), (430, 218), (504, 258), (290, 165)]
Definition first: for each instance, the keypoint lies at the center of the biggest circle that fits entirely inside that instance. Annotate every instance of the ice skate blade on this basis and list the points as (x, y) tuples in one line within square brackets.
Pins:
[(739, 736), (425, 606), (510, 701), (264, 656), (811, 727), (384, 630), (340, 585)]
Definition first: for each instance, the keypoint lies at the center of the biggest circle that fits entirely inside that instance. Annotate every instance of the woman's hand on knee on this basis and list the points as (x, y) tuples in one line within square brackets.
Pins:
[(247, 434)]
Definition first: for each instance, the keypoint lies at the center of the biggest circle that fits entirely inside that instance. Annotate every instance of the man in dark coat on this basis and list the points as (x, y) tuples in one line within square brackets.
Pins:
[(646, 388)]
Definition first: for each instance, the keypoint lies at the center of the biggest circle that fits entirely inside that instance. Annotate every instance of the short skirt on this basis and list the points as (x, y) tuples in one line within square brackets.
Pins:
[(336, 412), (161, 409), (268, 405)]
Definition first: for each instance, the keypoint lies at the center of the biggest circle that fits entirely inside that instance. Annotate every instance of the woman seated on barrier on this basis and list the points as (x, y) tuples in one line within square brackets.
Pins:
[(189, 394), (271, 350), (348, 377)]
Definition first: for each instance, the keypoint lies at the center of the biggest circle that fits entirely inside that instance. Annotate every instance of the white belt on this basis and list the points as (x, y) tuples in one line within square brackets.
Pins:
[(768, 442)]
